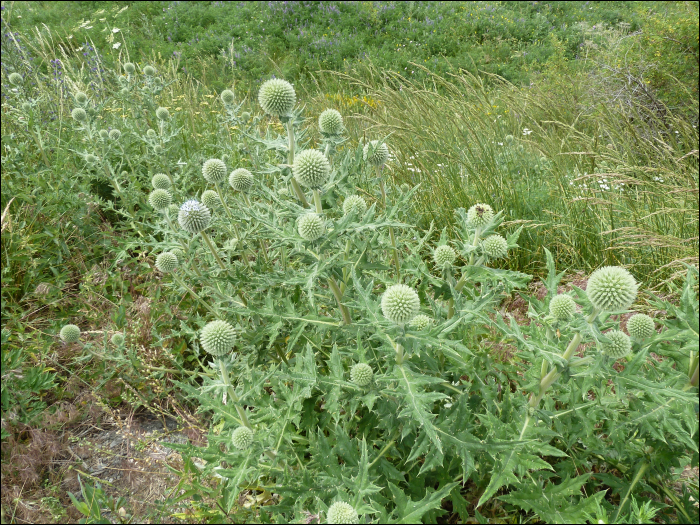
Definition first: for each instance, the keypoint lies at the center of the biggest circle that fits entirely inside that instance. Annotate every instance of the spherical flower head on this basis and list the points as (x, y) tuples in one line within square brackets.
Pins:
[(509, 139), (420, 322), (405, 188), (331, 122), (214, 170), (104, 134), (15, 79), (495, 246), (218, 338), (70, 333), (444, 256), (149, 71), (158, 149), (162, 114), (91, 159), (242, 438), (245, 116), (26, 106), (79, 115), (241, 147), (123, 92), (227, 97), (193, 216), (354, 204), (611, 288), (167, 262), (310, 226), (241, 180), (123, 81), (361, 374), (161, 181), (376, 154), (311, 169), (619, 344), (341, 512), (81, 98), (160, 199), (277, 97), (115, 134), (130, 68), (211, 199), (400, 303), (479, 215), (640, 326), (117, 339), (562, 307), (151, 133), (172, 210)]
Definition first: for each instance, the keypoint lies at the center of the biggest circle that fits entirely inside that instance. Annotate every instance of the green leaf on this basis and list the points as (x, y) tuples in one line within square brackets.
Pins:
[(408, 511)]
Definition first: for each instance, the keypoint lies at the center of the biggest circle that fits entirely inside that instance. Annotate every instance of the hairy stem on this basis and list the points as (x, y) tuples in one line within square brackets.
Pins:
[(339, 298), (232, 394), (290, 161), (213, 250)]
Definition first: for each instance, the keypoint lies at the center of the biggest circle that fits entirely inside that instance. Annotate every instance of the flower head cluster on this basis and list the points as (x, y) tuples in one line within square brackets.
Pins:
[(70, 333), (354, 204), (611, 288), (211, 199), (214, 170), (15, 79), (117, 339), (115, 134), (361, 374), (79, 115), (640, 326), (241, 180), (104, 134), (129, 68), (341, 512), (277, 97), (310, 226), (400, 303), (375, 153), (562, 307), (166, 262), (227, 97), (330, 122), (161, 181), (444, 255), (618, 345), (311, 169), (218, 338), (193, 216), (495, 246), (160, 199), (81, 98), (242, 438), (149, 71), (479, 215), (420, 322), (162, 114)]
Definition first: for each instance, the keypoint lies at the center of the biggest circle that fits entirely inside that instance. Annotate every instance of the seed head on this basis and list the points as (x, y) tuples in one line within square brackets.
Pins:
[(562, 307), (70, 333), (160, 199), (241, 180), (479, 215), (361, 374), (331, 122), (81, 98), (167, 262), (341, 512), (400, 303), (420, 322), (218, 338), (640, 326), (242, 438), (611, 288), (79, 114), (161, 181), (619, 345), (162, 114), (15, 79), (495, 246), (310, 226), (149, 71), (193, 216), (354, 204), (277, 97), (130, 68), (311, 169), (376, 154), (227, 97), (444, 256), (115, 134), (117, 339)]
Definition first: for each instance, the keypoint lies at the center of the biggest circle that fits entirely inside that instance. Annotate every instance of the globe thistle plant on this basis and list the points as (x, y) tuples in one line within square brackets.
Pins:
[(218, 338), (330, 122), (149, 71), (211, 199), (91, 159), (227, 97), (26, 107), (193, 216), (161, 181), (214, 170), (640, 326), (151, 133), (310, 226), (79, 115), (509, 139), (162, 113), (15, 79), (444, 255), (81, 98), (400, 303), (354, 204), (245, 116), (70, 333), (160, 199), (618, 345), (611, 288), (495, 246), (361, 374), (117, 339), (115, 134), (420, 322), (129, 68), (167, 262), (104, 134), (158, 149), (242, 438), (562, 307), (341, 512), (375, 153), (241, 180), (277, 97), (479, 215), (311, 169)]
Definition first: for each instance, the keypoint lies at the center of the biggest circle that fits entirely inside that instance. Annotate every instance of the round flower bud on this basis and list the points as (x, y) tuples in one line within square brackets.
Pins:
[(123, 92), (129, 68), (241, 147), (26, 106), (241, 180), (495, 246), (242, 438), (562, 307), (149, 71), (227, 97), (161, 181), (211, 199), (167, 262), (444, 256), (479, 215), (81, 98), (117, 339), (400, 303), (376, 154), (509, 139), (619, 345), (70, 333), (277, 97), (361, 374), (521, 148), (79, 114), (123, 80), (15, 79), (91, 159), (245, 116), (218, 338), (311, 169), (420, 322), (341, 512), (283, 192), (151, 133), (214, 170), (354, 204), (162, 114), (611, 288), (173, 209), (330, 122), (310, 226), (115, 134), (160, 199), (405, 188), (640, 326), (193, 216), (104, 134), (157, 149), (179, 253)]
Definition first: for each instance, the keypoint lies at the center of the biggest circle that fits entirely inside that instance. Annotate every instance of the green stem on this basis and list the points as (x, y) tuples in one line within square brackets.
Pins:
[(232, 394), (194, 294), (223, 202), (339, 298), (399, 354), (290, 161), (383, 450), (642, 468), (317, 202), (395, 253), (213, 250), (378, 170), (37, 139)]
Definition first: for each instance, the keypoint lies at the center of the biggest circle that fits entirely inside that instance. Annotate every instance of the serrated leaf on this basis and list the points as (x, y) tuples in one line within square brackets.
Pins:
[(408, 511)]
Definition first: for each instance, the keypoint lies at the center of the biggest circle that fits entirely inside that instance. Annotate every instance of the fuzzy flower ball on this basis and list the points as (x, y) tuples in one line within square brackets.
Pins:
[(217, 338), (245, 116), (158, 149), (193, 216), (331, 122), (400, 303), (81, 98), (160, 199), (420, 322), (444, 256), (311, 169), (611, 288), (166, 262), (341, 512), (104, 134), (115, 134), (354, 204), (214, 170), (162, 114), (242, 438), (70, 333), (211, 199), (495, 246), (15, 79), (619, 345), (277, 97), (405, 188), (479, 215), (310, 226), (79, 114), (130, 68), (640, 326), (227, 97), (562, 307), (26, 106), (509, 139), (91, 159), (161, 181), (241, 180), (361, 374), (151, 133), (149, 71), (117, 339), (376, 154)]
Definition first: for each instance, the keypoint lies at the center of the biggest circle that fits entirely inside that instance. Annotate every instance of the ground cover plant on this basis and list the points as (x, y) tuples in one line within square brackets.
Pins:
[(362, 338)]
